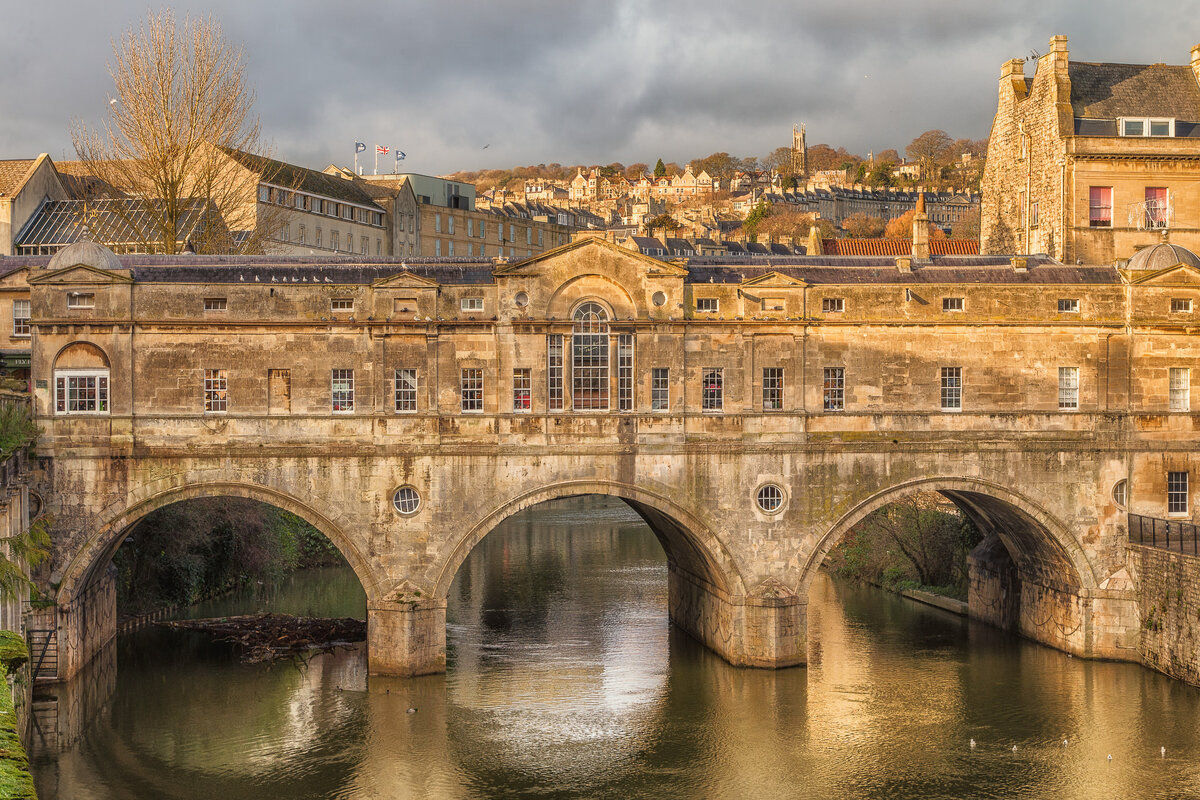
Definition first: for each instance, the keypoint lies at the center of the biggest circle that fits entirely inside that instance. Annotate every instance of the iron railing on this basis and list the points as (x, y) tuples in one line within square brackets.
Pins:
[(1182, 537)]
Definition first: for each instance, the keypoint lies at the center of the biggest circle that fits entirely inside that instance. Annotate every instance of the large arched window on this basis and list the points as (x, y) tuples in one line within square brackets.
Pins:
[(589, 358), (81, 380)]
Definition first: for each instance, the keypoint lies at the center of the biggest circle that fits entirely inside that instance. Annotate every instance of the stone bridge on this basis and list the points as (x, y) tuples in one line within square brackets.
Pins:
[(750, 412)]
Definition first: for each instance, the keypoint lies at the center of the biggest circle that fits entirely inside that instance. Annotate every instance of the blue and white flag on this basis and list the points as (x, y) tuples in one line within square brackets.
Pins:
[(359, 147), (399, 155)]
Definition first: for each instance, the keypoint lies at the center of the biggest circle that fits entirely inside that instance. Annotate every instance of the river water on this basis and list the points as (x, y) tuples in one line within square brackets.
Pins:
[(565, 679)]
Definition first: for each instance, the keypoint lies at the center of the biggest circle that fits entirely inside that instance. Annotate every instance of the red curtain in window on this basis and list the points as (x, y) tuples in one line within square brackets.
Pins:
[(1101, 206)]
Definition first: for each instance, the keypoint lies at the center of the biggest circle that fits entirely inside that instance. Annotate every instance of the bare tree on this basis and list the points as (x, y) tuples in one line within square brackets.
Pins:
[(181, 106)]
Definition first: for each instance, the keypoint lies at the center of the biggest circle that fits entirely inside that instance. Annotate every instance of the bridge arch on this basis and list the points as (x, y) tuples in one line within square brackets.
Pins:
[(1041, 544), (115, 524), (690, 544)]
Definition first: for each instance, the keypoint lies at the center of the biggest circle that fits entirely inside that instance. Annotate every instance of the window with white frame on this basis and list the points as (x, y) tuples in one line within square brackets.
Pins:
[(1180, 389), (81, 391), (1068, 388), (589, 358), (833, 305), (712, 385), (437, 223), (20, 318), (216, 390), (953, 303), (471, 304), (660, 389), (625, 372), (470, 388), (522, 384), (81, 300), (834, 391), (772, 388), (341, 304), (1177, 493), (1068, 305), (216, 304), (554, 371), (707, 305), (1181, 305), (1147, 126), (951, 388), (406, 390), (343, 390)]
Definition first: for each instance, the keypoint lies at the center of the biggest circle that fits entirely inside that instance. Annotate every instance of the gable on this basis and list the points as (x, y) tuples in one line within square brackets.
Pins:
[(591, 248), (1178, 275), (81, 274), (405, 280), (15, 279), (774, 280)]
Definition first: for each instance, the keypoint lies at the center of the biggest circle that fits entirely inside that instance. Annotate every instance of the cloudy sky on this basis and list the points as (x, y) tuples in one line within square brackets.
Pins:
[(583, 82)]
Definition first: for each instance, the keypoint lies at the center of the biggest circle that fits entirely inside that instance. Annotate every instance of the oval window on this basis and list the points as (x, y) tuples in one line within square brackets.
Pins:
[(770, 498), (522, 299), (1120, 493), (406, 500), (659, 299)]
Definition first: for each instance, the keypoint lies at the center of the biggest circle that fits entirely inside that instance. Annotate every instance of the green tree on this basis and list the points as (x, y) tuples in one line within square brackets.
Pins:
[(663, 222), (755, 219), (660, 169)]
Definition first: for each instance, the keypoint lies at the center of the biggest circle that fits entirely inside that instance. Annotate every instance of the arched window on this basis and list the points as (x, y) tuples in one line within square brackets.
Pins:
[(81, 380), (589, 359)]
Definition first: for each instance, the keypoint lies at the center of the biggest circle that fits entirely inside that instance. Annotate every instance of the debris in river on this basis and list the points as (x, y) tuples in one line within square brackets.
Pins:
[(267, 637)]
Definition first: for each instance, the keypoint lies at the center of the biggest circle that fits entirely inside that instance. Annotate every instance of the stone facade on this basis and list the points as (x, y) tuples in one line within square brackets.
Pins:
[(820, 381), (1067, 177), (1168, 592)]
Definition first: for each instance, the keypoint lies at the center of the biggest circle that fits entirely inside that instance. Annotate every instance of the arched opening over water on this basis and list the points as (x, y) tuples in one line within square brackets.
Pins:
[(701, 575), (1027, 574)]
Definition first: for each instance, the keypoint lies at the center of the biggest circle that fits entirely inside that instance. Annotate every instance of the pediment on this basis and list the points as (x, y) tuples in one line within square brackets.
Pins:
[(81, 274), (1178, 275), (405, 280), (774, 280), (18, 277), (603, 249)]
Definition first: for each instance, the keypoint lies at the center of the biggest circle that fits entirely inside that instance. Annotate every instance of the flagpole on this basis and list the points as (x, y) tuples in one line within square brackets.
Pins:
[(376, 159)]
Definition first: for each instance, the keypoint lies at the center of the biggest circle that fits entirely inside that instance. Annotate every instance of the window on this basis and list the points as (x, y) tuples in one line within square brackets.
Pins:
[(772, 388), (521, 389), (300, 238), (951, 388), (1120, 493), (625, 372), (1133, 127), (833, 305), (470, 388), (1181, 388), (216, 390), (437, 247), (953, 303), (1148, 126), (1181, 305), (769, 498), (554, 371), (1068, 305), (1100, 207), (711, 389), (81, 391), (1021, 209), (450, 248), (341, 304), (1068, 388), (470, 227), (471, 304), (406, 390), (450, 224), (589, 359), (285, 233), (834, 393), (343, 390), (317, 241), (20, 318), (660, 389), (707, 305), (364, 243), (215, 304), (81, 300), (335, 240), (406, 500), (1177, 493), (1033, 215), (1157, 207)]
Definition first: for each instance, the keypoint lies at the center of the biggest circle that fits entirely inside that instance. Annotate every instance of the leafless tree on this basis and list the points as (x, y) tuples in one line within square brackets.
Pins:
[(181, 106)]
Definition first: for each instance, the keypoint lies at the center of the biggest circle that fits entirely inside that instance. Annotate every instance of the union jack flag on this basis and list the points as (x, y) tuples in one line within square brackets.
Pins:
[(381, 150)]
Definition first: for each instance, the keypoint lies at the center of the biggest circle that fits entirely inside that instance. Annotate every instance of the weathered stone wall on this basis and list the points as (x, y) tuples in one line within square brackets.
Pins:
[(1168, 593)]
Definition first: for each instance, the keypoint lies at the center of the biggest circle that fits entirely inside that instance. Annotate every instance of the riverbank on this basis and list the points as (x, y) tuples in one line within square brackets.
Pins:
[(16, 781)]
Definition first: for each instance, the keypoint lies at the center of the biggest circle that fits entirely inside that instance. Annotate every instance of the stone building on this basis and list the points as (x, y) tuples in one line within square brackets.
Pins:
[(1088, 162)]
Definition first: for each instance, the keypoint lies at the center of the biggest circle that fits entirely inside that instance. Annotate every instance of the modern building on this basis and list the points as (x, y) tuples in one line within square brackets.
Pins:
[(1088, 162)]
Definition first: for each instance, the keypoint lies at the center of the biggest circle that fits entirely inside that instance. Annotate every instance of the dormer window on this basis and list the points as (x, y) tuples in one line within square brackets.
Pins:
[(1146, 126)]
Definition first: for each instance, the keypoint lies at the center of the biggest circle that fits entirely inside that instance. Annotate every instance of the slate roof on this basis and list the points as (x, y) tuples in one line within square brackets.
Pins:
[(303, 179), (943, 270), (1109, 91), (12, 174)]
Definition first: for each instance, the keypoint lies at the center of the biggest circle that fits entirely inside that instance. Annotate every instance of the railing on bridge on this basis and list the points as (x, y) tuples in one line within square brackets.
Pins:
[(1182, 537)]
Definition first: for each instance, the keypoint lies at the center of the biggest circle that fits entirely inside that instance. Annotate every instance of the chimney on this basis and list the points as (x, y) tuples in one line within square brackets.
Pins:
[(1012, 75), (920, 239), (1196, 61), (1058, 46), (814, 241)]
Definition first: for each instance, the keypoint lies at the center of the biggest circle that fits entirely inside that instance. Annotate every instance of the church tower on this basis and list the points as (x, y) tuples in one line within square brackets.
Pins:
[(799, 152)]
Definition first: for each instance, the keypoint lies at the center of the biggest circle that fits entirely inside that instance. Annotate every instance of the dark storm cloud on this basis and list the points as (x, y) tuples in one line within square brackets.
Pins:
[(593, 83)]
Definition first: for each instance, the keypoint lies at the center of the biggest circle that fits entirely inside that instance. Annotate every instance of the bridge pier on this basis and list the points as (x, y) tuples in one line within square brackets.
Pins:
[(85, 625), (406, 639)]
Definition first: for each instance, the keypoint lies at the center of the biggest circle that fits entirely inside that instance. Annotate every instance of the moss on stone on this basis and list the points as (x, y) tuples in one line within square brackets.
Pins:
[(15, 781), (13, 652)]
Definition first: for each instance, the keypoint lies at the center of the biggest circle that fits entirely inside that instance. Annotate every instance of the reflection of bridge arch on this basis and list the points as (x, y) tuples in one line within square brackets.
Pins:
[(116, 523), (1038, 542), (690, 545)]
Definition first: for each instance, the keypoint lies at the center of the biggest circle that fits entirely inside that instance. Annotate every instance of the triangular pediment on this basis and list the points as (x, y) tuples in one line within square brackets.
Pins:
[(15, 277), (774, 280), (643, 263), (1178, 275), (81, 274), (405, 280)]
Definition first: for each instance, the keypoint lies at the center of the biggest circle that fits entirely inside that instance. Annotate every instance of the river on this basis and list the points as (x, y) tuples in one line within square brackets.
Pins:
[(565, 679)]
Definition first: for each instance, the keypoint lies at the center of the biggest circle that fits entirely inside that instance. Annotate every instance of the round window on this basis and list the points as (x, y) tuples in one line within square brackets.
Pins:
[(659, 299), (522, 299), (770, 498), (1121, 493), (406, 500)]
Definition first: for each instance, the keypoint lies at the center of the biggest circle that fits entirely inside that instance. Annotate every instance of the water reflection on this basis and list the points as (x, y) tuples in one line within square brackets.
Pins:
[(566, 680)]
